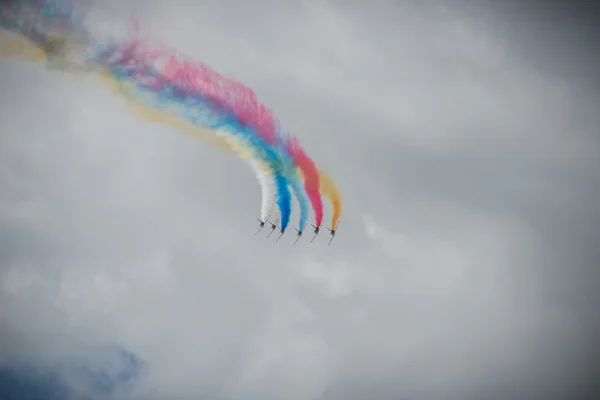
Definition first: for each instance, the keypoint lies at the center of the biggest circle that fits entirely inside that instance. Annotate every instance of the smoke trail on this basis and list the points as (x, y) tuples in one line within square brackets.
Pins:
[(166, 79), (133, 61), (50, 26), (236, 99), (261, 170), (262, 174), (218, 138), (303, 202), (294, 180), (195, 113), (311, 176), (332, 193), (162, 118), (194, 107), (276, 218), (283, 200), (40, 20), (225, 141), (23, 48), (271, 209)]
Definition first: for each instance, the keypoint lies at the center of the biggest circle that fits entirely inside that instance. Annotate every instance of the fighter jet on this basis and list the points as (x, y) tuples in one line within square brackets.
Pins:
[(317, 228), (282, 232), (299, 234), (262, 225), (273, 226), (333, 232)]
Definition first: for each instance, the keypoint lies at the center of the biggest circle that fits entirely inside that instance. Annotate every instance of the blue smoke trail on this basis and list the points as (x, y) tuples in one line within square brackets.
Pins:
[(301, 196), (297, 187), (284, 199), (303, 201)]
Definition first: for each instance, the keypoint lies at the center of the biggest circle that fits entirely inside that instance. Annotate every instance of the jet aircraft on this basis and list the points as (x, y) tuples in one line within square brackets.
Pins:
[(273, 226), (317, 228), (262, 225), (333, 232), (299, 234), (282, 232)]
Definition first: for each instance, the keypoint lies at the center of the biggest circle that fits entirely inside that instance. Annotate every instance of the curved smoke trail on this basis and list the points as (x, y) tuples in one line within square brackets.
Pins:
[(253, 150), (219, 138), (165, 79), (311, 176), (124, 64), (261, 170), (19, 47), (264, 153), (330, 190), (276, 217), (268, 196), (238, 100)]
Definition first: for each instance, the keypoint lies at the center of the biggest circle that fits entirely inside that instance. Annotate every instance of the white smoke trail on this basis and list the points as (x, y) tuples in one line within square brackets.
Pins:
[(261, 170), (271, 206), (264, 177)]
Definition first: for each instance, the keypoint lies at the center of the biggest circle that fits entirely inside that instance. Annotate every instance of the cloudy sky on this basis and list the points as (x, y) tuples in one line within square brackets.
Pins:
[(464, 137)]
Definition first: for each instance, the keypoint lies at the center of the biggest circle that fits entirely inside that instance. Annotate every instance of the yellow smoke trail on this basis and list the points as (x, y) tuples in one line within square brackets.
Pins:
[(21, 48), (330, 190), (125, 91)]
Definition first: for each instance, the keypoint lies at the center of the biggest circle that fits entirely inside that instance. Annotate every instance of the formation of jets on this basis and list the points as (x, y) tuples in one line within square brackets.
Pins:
[(299, 232)]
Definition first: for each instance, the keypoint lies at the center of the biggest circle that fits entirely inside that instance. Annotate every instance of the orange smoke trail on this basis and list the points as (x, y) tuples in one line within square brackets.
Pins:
[(330, 190), (19, 47)]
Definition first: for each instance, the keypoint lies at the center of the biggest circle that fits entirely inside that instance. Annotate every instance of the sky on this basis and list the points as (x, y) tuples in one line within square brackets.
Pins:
[(464, 138)]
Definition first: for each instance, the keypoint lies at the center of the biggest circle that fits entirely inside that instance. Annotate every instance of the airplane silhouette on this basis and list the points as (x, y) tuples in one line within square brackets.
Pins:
[(282, 232), (299, 234), (262, 225), (273, 226), (317, 228), (333, 232)]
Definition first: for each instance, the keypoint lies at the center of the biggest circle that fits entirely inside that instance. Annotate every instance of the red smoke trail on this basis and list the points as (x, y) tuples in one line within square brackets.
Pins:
[(311, 176)]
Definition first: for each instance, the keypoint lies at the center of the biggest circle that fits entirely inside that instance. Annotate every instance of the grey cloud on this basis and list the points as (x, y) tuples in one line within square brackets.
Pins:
[(465, 265)]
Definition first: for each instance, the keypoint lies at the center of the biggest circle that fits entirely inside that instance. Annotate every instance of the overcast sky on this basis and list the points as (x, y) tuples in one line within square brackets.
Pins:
[(464, 137)]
